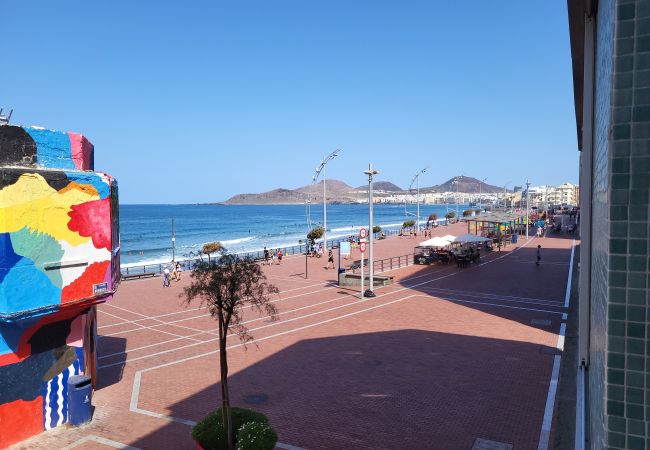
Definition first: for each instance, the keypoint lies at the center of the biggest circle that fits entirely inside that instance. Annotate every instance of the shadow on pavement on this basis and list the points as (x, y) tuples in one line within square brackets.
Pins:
[(110, 375), (406, 389)]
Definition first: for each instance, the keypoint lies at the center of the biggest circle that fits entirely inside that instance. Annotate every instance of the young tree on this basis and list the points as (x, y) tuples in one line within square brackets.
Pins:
[(432, 218), (224, 287), (315, 233)]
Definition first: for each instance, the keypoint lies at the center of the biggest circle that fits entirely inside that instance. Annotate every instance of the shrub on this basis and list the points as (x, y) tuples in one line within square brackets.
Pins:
[(212, 247), (467, 213), (408, 223), (210, 433), (376, 229), (315, 233), (256, 436), (450, 215)]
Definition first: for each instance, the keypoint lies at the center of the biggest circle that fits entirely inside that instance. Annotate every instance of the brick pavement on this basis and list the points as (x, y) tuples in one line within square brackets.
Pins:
[(440, 358)]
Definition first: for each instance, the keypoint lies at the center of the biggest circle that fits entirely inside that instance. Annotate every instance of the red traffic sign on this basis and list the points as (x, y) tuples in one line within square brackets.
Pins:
[(362, 247), (362, 233)]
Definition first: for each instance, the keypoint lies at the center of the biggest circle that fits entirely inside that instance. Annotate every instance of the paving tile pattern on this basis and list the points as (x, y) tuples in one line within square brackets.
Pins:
[(443, 357)]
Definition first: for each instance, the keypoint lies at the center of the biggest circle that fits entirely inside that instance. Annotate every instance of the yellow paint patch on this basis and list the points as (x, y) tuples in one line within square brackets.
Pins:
[(32, 203)]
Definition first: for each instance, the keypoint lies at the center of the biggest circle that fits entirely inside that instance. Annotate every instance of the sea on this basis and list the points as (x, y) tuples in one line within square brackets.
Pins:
[(146, 230)]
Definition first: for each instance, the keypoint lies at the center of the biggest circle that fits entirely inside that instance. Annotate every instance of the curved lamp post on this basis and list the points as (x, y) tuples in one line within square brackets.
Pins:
[(321, 169), (416, 180)]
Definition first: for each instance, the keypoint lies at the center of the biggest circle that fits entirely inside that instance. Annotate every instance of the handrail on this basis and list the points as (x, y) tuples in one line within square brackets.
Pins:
[(386, 264), (187, 264)]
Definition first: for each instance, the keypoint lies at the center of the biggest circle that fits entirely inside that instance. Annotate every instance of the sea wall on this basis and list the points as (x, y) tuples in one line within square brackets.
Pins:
[(59, 258)]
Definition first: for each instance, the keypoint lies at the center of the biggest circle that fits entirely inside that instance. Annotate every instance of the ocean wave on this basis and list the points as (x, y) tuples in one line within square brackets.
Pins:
[(238, 240)]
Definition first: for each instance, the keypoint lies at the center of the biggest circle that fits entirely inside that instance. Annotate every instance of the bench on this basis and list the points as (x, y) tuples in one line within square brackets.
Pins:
[(354, 279), (132, 276)]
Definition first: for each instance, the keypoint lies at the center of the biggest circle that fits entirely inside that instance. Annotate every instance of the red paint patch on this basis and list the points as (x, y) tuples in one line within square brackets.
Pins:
[(90, 219), (82, 287), (20, 420), (82, 151)]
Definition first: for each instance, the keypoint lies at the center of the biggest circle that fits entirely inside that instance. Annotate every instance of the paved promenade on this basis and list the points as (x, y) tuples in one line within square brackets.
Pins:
[(441, 358)]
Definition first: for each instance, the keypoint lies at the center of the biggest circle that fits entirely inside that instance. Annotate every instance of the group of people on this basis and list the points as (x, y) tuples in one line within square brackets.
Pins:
[(173, 274), (274, 257)]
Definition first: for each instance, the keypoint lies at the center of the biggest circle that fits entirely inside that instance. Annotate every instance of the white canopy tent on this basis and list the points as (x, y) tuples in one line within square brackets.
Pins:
[(435, 242), (449, 237), (470, 239)]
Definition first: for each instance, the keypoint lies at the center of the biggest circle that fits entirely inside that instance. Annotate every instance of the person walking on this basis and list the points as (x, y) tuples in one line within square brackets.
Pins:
[(539, 255), (279, 256), (274, 255), (166, 277), (178, 270), (266, 256), (330, 259)]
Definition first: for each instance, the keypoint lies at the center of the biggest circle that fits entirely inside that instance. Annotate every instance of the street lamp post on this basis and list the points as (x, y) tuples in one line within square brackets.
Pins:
[(480, 192), (505, 205), (527, 216), (416, 179), (456, 181), (320, 169), (371, 266)]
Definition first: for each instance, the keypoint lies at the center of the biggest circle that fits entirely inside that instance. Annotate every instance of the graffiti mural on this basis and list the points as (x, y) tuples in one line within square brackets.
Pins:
[(59, 257)]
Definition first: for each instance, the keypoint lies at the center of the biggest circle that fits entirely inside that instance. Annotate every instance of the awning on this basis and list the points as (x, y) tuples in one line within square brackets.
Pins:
[(435, 242), (470, 238)]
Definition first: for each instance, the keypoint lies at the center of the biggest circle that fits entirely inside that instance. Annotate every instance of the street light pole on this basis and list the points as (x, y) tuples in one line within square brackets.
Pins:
[(371, 266), (456, 181), (416, 179), (320, 169), (173, 242), (505, 205), (480, 192), (527, 216)]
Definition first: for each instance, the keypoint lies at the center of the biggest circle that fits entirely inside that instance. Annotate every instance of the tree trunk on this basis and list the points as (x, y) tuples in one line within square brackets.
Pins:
[(225, 398)]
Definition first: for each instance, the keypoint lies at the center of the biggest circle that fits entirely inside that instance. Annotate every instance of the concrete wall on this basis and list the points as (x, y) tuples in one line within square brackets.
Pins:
[(59, 257)]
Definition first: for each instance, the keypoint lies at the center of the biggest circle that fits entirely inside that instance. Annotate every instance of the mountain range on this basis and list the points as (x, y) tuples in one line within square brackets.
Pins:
[(338, 191)]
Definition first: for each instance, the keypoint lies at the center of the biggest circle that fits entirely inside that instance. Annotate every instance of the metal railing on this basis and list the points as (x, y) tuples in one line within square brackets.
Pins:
[(384, 265), (189, 262)]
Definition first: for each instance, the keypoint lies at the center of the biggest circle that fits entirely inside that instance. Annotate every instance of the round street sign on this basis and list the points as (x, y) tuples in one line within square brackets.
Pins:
[(362, 247), (362, 233)]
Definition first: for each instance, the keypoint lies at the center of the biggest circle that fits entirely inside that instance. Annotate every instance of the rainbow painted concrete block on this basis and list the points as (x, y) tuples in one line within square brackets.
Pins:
[(59, 257)]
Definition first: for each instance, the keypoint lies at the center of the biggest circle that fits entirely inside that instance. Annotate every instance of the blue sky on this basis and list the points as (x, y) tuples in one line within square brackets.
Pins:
[(197, 101)]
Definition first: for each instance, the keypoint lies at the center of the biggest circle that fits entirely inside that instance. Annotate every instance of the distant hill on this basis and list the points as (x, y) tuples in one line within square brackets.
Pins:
[(467, 185), (337, 191), (385, 186)]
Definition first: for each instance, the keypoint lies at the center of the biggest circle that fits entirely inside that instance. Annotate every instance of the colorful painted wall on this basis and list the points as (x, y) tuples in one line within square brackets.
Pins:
[(59, 257)]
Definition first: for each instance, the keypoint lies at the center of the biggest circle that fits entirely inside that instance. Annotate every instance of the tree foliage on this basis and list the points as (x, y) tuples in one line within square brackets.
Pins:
[(450, 215), (433, 217), (477, 211), (467, 213), (224, 287), (376, 229), (316, 233), (408, 223), (212, 247)]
